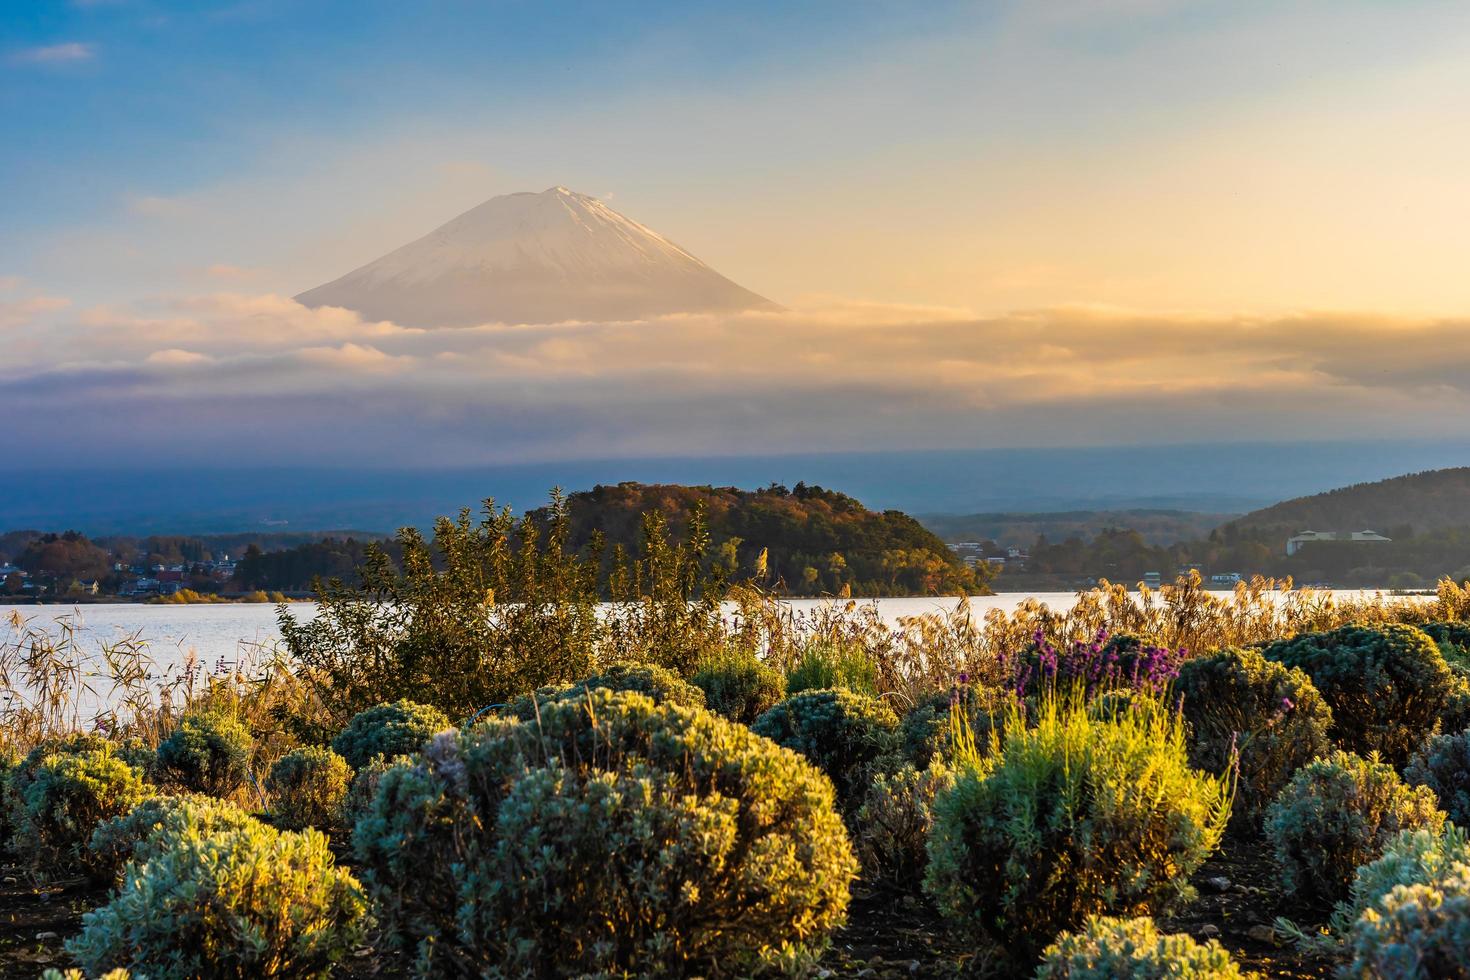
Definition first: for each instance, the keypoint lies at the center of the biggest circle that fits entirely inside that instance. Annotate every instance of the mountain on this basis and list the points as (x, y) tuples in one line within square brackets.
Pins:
[(534, 258), (1421, 502)]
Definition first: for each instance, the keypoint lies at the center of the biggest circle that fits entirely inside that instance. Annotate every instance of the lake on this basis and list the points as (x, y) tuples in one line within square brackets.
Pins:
[(227, 631)]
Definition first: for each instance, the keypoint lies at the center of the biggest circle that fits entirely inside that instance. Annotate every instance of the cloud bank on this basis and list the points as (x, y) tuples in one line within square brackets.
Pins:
[(259, 379)]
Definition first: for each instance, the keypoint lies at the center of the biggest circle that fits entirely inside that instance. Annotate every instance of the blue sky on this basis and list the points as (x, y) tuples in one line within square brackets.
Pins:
[(992, 224), (109, 96)]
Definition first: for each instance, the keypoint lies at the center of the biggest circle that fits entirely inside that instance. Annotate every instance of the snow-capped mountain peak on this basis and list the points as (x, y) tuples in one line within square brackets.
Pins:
[(534, 258)]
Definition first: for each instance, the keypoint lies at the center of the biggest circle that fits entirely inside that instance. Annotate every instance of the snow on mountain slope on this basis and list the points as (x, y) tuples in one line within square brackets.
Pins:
[(534, 258)]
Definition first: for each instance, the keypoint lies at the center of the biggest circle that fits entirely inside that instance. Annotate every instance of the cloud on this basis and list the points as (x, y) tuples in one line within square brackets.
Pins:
[(54, 54), (275, 381)]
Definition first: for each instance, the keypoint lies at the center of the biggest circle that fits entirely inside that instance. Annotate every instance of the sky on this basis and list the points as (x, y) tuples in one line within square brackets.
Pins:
[(1082, 222)]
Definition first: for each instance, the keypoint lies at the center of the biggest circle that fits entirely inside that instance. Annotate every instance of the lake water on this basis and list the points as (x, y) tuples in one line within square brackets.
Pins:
[(228, 631)]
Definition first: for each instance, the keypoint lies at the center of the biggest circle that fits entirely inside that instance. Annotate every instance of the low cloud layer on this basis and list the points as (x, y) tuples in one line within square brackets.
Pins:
[(239, 378)]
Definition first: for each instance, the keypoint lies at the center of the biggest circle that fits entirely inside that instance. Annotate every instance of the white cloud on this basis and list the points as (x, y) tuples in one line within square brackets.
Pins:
[(54, 54)]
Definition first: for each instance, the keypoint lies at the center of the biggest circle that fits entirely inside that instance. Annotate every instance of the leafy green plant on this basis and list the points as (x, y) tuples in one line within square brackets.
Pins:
[(249, 902), (841, 732), (65, 799), (826, 663), (151, 827), (1387, 685), (1443, 765), (609, 836), (1077, 814), (308, 788), (737, 685), (1114, 949), (74, 974), (1245, 710), (1339, 813), (891, 830), (400, 728), (207, 753), (658, 683)]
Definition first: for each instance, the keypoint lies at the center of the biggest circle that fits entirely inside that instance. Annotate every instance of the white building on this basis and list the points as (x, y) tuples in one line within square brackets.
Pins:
[(1295, 542)]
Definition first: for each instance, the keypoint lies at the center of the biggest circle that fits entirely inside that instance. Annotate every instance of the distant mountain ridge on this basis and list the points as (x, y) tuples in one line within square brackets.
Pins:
[(534, 258), (1426, 501)]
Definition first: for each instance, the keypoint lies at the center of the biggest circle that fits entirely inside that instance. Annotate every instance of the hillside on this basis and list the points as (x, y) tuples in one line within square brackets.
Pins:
[(1417, 503), (1020, 530), (816, 541)]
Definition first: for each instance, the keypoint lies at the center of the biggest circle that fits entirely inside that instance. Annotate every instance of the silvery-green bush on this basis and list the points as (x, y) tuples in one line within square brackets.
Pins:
[(363, 789), (1418, 931), (250, 902), (308, 788), (1119, 949), (399, 728), (1073, 813), (737, 685), (609, 836), (926, 730), (659, 683), (64, 800), (207, 753), (1337, 814), (1245, 710), (891, 829), (1387, 685), (843, 733), (151, 826), (1443, 764)]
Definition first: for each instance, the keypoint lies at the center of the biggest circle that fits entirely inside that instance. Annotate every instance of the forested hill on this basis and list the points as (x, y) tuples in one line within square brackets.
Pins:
[(815, 541), (1418, 503)]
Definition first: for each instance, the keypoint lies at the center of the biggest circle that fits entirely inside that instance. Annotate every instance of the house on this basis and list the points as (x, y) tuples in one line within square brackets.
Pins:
[(1297, 541)]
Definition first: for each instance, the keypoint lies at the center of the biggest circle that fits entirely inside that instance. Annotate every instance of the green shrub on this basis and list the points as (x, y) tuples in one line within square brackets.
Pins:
[(1413, 857), (926, 731), (841, 732), (826, 664), (207, 753), (1443, 764), (891, 831), (1387, 686), (74, 974), (65, 799), (1268, 717), (609, 836), (1454, 642), (251, 902), (18, 773), (1114, 949), (364, 787), (1338, 813), (400, 728), (1418, 931), (308, 788), (737, 685), (1077, 815), (149, 829), (659, 683)]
